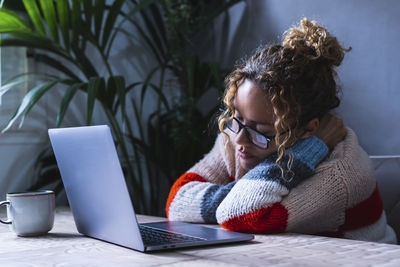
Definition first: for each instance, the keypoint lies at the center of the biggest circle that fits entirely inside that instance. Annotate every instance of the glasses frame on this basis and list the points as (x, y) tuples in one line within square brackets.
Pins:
[(246, 128)]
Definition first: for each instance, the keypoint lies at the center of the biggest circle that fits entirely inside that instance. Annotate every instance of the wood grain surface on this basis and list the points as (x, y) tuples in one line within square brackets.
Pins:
[(64, 246)]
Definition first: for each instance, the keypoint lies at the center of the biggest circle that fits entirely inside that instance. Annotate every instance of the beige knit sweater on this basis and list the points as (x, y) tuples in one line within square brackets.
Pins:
[(339, 199)]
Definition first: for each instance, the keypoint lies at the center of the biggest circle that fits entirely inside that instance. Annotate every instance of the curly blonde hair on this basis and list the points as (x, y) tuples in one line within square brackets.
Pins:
[(298, 76)]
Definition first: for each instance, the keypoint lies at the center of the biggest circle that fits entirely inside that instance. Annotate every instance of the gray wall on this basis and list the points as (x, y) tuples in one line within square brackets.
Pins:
[(370, 73)]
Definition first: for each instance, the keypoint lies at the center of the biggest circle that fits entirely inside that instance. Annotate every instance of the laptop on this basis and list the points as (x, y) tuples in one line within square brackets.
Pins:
[(100, 201)]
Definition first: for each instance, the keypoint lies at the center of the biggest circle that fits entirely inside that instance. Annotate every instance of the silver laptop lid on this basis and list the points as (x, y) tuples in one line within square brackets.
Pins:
[(95, 184)]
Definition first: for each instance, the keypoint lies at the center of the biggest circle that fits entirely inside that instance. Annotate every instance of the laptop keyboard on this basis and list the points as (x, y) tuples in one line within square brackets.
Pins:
[(152, 236)]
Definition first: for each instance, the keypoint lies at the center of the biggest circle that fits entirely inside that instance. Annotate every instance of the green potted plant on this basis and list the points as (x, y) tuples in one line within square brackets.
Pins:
[(171, 138), (64, 29)]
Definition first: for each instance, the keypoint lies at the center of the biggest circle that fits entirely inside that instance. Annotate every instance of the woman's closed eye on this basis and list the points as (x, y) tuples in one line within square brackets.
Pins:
[(239, 118), (268, 134), (261, 131)]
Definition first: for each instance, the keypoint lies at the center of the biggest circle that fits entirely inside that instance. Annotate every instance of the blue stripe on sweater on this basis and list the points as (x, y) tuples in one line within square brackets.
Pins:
[(306, 154), (211, 200), (271, 172)]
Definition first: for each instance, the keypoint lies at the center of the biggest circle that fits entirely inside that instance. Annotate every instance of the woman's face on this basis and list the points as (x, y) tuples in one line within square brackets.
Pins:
[(253, 108)]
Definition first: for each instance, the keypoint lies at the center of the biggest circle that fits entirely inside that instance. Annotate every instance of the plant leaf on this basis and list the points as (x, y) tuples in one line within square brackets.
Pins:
[(153, 31), (9, 21), (28, 102), (30, 39), (50, 61), (50, 16), (138, 118), (17, 80), (110, 21), (10, 84), (114, 82), (65, 102), (120, 86), (88, 9), (160, 94), (99, 8), (35, 77), (138, 7), (93, 87), (34, 13), (127, 89), (131, 86), (76, 22), (158, 17), (110, 92), (63, 15), (86, 65), (144, 87)]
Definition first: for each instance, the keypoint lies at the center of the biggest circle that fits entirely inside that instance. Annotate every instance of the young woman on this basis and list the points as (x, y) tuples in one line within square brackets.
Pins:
[(281, 161)]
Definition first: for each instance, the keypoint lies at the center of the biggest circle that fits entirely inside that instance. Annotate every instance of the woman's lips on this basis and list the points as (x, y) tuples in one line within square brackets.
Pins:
[(244, 155)]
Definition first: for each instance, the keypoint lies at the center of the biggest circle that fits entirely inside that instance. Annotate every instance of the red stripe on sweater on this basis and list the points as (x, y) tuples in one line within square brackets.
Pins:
[(271, 219), (363, 214), (184, 179)]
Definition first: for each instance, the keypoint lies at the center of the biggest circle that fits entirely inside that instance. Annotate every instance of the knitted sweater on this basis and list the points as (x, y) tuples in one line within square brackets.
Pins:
[(334, 195)]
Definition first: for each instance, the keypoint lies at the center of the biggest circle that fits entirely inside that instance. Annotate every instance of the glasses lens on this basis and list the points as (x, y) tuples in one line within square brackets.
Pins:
[(233, 125), (258, 139)]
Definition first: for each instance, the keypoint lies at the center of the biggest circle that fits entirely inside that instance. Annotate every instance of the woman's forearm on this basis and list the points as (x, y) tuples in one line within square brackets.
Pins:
[(253, 204), (194, 199)]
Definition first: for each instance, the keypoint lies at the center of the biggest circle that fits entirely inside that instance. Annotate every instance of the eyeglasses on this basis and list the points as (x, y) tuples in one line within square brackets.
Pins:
[(255, 137)]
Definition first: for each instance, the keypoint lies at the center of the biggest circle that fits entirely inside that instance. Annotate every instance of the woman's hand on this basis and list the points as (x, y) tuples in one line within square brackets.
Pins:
[(331, 130)]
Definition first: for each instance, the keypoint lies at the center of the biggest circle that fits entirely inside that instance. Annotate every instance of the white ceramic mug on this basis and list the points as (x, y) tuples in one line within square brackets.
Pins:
[(30, 213)]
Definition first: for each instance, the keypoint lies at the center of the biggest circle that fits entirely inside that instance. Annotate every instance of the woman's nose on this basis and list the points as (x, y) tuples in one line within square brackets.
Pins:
[(241, 138)]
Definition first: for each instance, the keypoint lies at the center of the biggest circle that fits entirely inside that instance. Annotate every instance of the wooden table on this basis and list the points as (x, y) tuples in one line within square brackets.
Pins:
[(64, 246)]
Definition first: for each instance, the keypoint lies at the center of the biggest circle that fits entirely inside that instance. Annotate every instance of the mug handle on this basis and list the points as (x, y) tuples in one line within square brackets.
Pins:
[(1, 204)]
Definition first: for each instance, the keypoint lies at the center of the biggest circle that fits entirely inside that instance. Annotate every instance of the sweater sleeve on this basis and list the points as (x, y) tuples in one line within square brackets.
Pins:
[(253, 203), (195, 196)]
